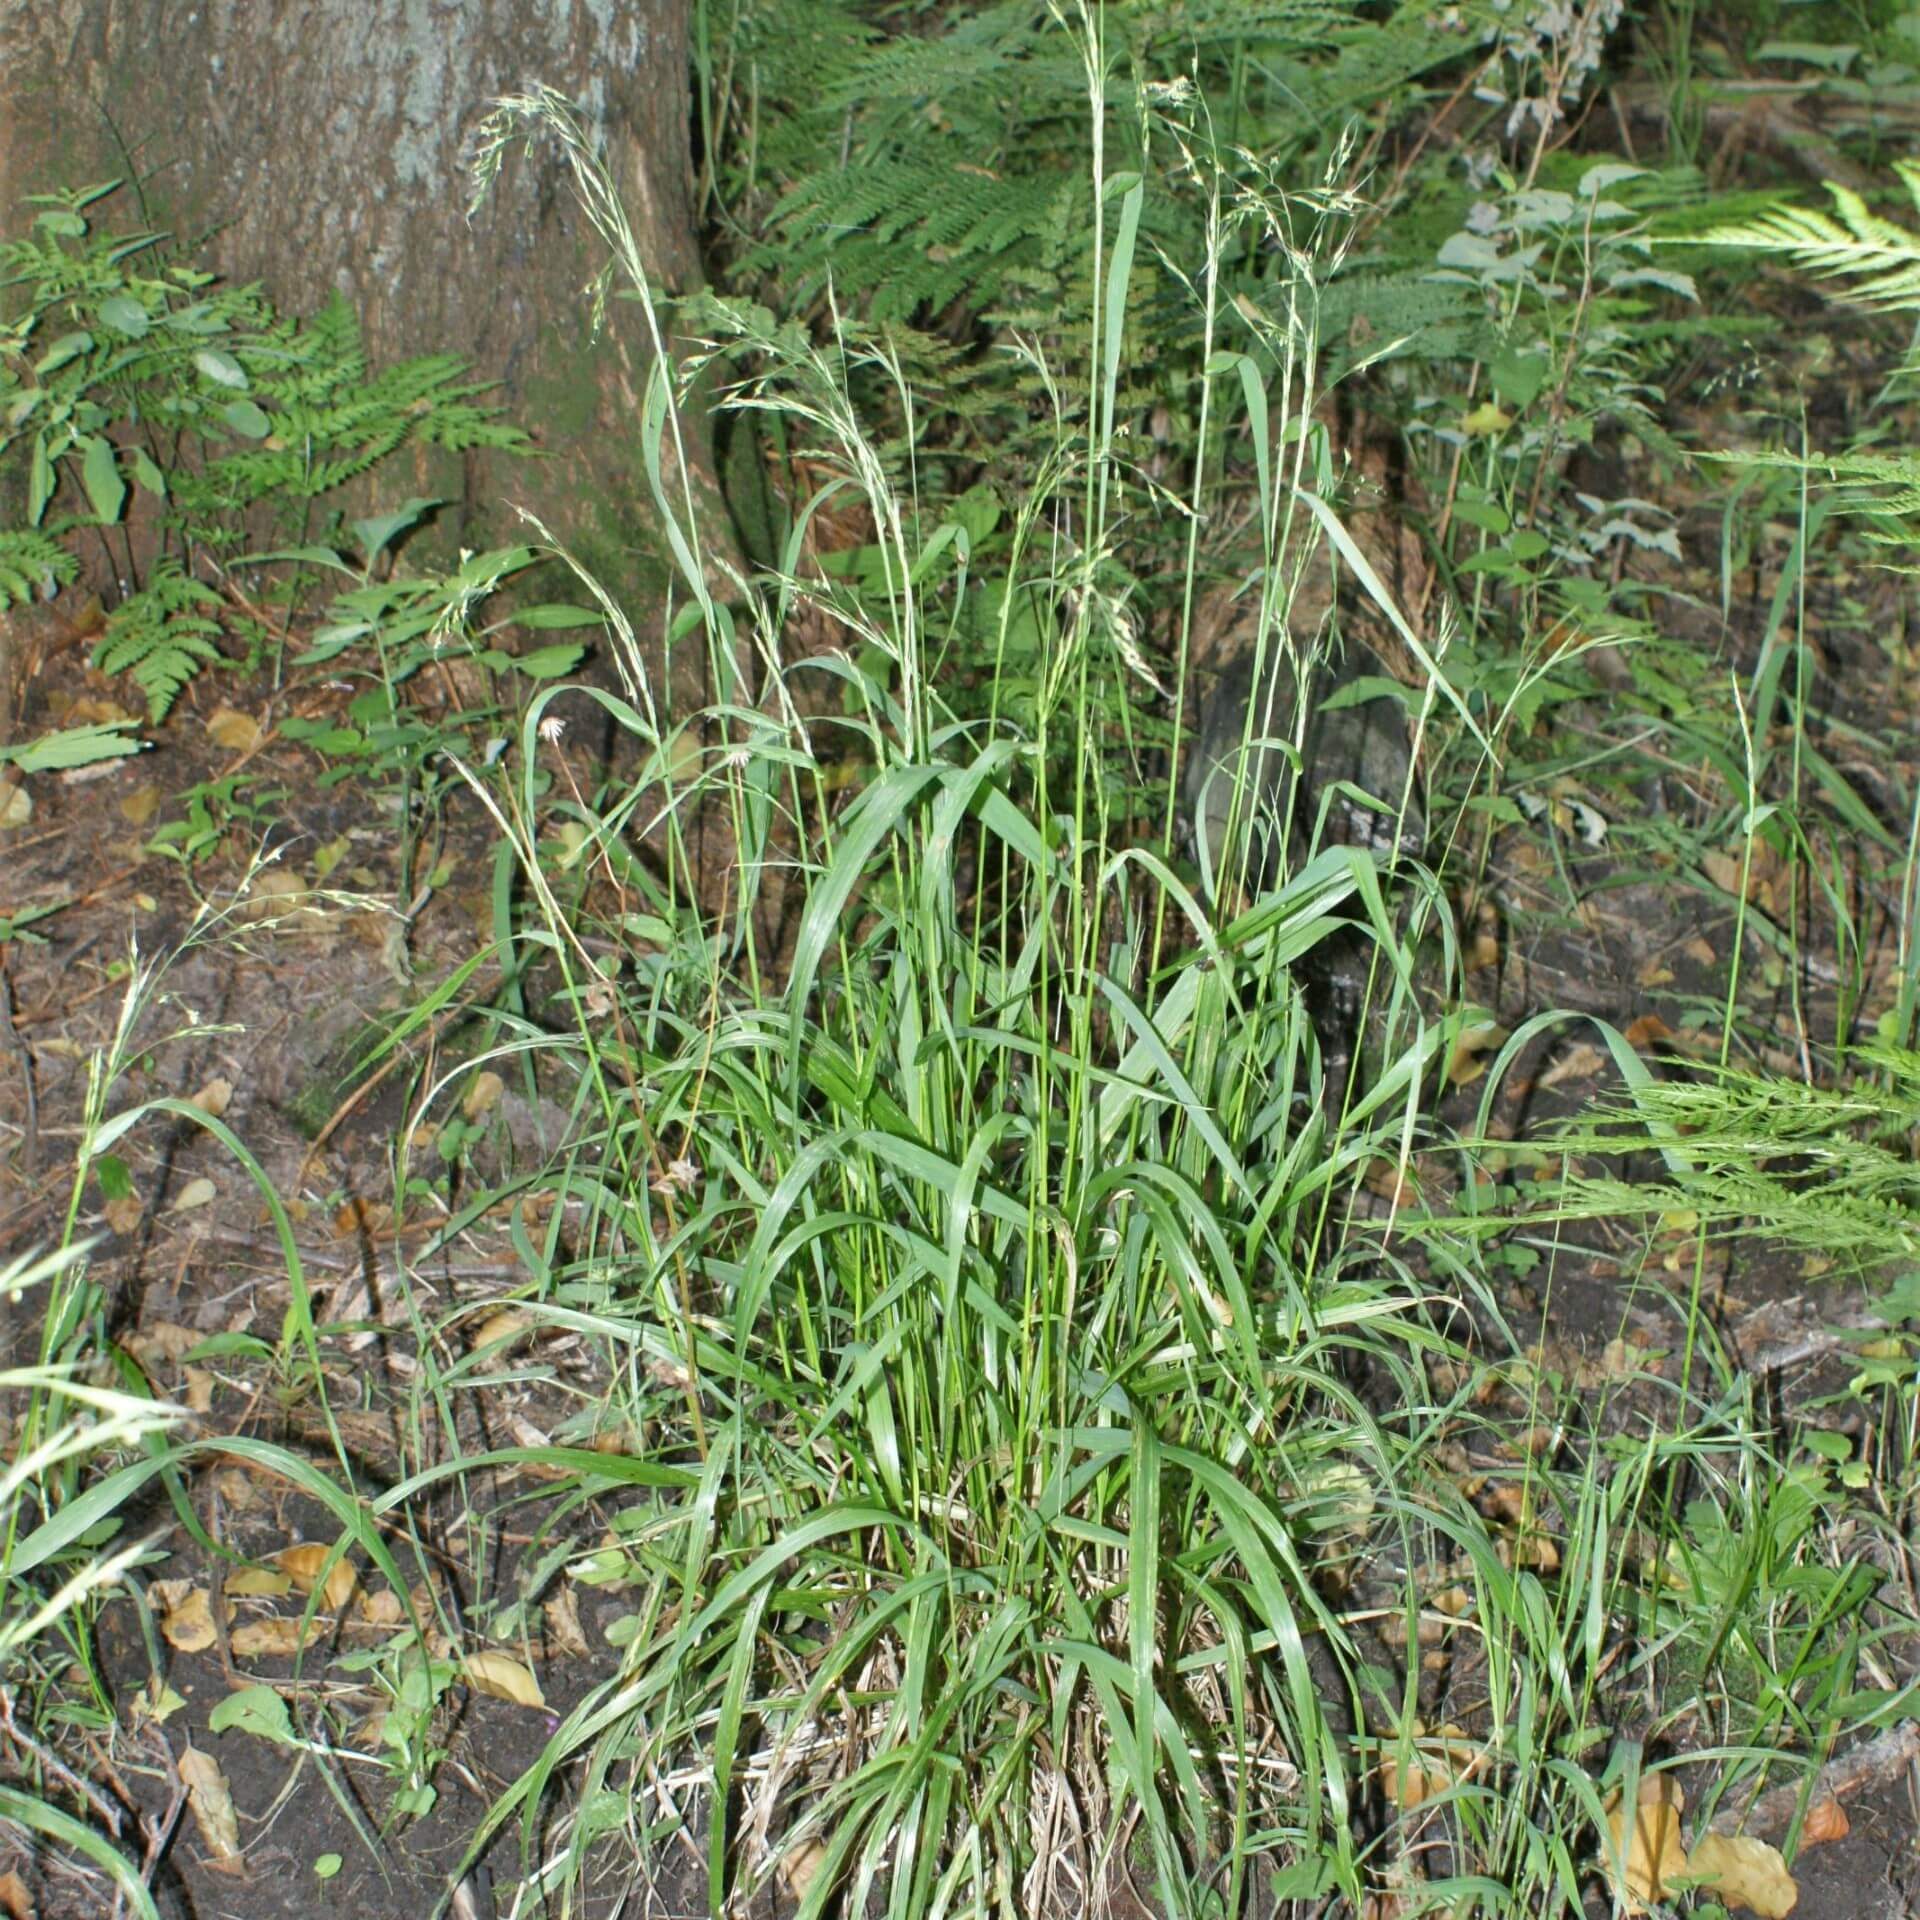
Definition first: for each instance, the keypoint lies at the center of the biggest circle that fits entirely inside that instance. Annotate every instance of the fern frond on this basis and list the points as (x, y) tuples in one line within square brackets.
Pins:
[(31, 564), (162, 636), (1881, 257)]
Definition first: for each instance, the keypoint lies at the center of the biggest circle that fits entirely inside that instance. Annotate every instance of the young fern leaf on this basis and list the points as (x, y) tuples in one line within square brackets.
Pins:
[(163, 635), (1880, 257), (31, 563)]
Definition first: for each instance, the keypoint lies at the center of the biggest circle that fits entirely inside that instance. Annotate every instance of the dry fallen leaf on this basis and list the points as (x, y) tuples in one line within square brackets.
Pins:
[(499, 1328), (1577, 1063), (278, 1637), (1648, 1032), (302, 1563), (800, 1866), (565, 1635), (125, 1214), (188, 1620), (1466, 1065), (1436, 1761), (1745, 1872), (211, 1803), (258, 1583), (155, 1702), (196, 1193), (215, 1097), (382, 1609), (139, 806), (504, 1678), (1652, 1857), (15, 1901), (16, 805), (1826, 1821), (200, 1385), (483, 1095), (237, 732)]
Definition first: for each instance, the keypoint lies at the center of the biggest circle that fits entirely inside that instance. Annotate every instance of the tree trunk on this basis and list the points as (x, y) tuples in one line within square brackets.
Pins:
[(320, 146)]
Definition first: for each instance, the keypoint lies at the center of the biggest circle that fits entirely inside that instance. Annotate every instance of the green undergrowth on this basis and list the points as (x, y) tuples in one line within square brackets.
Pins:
[(1054, 1410)]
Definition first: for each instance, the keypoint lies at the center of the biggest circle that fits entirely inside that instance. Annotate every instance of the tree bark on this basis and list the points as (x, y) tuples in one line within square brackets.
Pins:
[(320, 146)]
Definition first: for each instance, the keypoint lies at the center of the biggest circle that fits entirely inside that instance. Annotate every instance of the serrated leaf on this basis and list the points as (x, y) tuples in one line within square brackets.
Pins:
[(221, 368), (100, 474)]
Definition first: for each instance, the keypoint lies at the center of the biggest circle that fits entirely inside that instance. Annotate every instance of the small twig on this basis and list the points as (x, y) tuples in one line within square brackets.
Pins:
[(1853, 1771)]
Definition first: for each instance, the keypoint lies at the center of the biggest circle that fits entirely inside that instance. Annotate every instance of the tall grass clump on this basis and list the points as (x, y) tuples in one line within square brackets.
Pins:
[(1008, 1383)]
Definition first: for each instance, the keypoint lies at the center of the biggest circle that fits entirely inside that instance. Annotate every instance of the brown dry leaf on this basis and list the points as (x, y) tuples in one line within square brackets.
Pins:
[(92, 710), (1648, 1032), (233, 730), (369, 1217), (125, 1214), (1466, 1065), (1389, 1180), (500, 1328), (1654, 974), (200, 1385), (483, 1095), (1577, 1063), (503, 1677), (275, 894), (139, 806), (302, 1563), (237, 1488), (211, 1803), (1745, 1872), (15, 1901), (188, 1619), (1700, 948), (1653, 1857), (16, 805), (215, 1097), (258, 1583), (1826, 1821), (278, 1637), (565, 1635), (1436, 1761), (800, 1866), (195, 1194), (382, 1609)]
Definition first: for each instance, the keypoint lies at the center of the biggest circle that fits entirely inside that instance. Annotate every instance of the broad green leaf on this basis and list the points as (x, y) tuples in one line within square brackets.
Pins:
[(124, 314), (100, 473), (246, 419), (222, 368)]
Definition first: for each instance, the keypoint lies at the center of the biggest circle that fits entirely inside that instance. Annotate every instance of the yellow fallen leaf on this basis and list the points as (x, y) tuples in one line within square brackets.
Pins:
[(200, 1385), (1744, 1872), (237, 732), (483, 1095), (302, 1562), (258, 1583), (278, 1637), (800, 1866), (156, 1702), (498, 1328), (196, 1193), (211, 1803), (16, 805), (188, 1622), (215, 1097), (1436, 1761), (565, 1634), (504, 1678), (1466, 1065), (16, 1900), (1651, 1858), (1486, 418), (382, 1609), (139, 806)]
